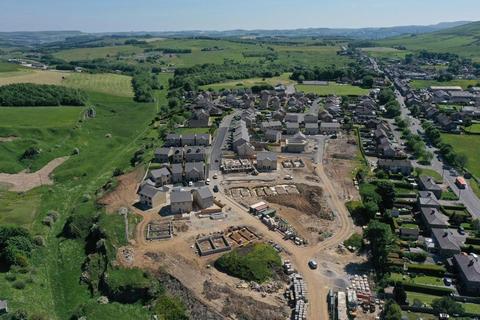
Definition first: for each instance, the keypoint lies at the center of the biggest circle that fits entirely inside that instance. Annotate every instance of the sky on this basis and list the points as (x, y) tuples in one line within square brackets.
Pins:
[(176, 15)]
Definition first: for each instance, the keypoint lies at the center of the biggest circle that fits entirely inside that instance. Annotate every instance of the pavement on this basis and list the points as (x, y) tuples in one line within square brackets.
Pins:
[(466, 196)]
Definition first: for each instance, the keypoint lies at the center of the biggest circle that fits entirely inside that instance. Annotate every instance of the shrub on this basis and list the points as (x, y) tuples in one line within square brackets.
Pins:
[(356, 240), (427, 269), (251, 263), (422, 288), (10, 277), (19, 285), (39, 241), (129, 285)]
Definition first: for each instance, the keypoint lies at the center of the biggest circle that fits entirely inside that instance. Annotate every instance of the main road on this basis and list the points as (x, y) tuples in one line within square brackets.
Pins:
[(466, 196)]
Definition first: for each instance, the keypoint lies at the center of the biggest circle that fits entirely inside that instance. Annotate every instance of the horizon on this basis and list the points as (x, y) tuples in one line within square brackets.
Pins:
[(110, 16)]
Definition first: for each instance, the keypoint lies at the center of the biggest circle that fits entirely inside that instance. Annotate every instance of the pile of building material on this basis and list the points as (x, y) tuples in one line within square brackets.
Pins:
[(341, 306), (288, 268), (297, 296)]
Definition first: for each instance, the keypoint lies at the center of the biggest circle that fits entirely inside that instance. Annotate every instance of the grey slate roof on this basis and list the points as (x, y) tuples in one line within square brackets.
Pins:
[(266, 155), (204, 193), (194, 166), (469, 266), (157, 173), (447, 239), (180, 196), (429, 183), (177, 168), (434, 217), (148, 190)]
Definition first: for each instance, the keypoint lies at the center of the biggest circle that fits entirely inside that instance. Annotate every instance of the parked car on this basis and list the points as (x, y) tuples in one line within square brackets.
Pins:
[(313, 264), (447, 281), (215, 188), (207, 181)]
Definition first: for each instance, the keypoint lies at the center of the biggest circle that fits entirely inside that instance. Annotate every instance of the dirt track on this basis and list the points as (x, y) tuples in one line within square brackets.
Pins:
[(24, 181)]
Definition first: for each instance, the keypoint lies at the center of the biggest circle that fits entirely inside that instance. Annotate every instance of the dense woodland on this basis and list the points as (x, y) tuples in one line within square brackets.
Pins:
[(34, 95)]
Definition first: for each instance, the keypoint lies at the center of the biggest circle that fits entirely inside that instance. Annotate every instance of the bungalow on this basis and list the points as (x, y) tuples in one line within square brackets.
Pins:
[(468, 269), (150, 196), (395, 166), (266, 161), (194, 171), (427, 183), (181, 201), (162, 155), (177, 172), (195, 154), (448, 242), (311, 128), (329, 127), (292, 128), (203, 197), (160, 177), (433, 218)]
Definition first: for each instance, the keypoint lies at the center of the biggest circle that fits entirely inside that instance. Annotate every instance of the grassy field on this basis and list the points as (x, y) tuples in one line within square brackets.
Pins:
[(423, 84), (468, 145), (109, 83), (54, 290), (385, 52), (462, 40), (427, 280), (39, 117), (223, 49), (114, 84), (186, 130), (427, 299), (474, 128), (431, 173), (333, 89), (248, 83), (97, 53)]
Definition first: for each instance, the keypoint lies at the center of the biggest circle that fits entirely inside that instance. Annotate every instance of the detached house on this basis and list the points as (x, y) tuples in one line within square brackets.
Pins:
[(150, 196), (181, 201), (194, 171), (203, 197), (199, 119), (266, 161), (160, 177)]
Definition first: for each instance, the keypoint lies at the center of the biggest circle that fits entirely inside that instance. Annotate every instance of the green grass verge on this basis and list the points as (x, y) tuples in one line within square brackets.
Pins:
[(467, 145)]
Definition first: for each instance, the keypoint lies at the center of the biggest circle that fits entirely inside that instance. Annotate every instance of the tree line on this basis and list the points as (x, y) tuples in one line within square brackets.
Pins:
[(29, 94), (144, 83)]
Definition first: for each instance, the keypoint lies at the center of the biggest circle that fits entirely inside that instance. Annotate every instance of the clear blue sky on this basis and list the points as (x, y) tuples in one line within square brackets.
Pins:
[(160, 15)]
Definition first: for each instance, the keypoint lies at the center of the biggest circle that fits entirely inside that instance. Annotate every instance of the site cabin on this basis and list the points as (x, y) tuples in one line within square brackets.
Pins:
[(460, 182)]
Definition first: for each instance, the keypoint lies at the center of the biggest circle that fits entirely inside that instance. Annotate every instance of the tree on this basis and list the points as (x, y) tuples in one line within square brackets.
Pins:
[(381, 239), (461, 160), (447, 305), (399, 294), (367, 81), (476, 226), (392, 311), (370, 208), (386, 190)]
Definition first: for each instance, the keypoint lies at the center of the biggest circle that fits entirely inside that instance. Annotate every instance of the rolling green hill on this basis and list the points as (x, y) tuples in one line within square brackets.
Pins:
[(463, 40)]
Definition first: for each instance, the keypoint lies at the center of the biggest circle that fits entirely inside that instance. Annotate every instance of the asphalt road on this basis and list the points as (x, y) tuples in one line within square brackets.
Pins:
[(467, 196), (218, 142)]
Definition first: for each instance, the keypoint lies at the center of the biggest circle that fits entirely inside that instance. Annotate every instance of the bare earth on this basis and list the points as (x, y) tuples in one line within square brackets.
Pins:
[(8, 139), (25, 181)]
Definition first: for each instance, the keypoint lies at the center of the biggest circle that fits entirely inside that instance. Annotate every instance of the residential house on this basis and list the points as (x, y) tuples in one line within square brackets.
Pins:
[(427, 199), (329, 127), (427, 183), (433, 218), (293, 117), (199, 119), (292, 128), (395, 166), (266, 161), (310, 118), (150, 196), (195, 154), (194, 171), (162, 155), (271, 125), (181, 201), (203, 139), (173, 140), (273, 136), (468, 270), (177, 155), (296, 144), (177, 172), (203, 197), (448, 242), (311, 128), (160, 177), (188, 140)]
